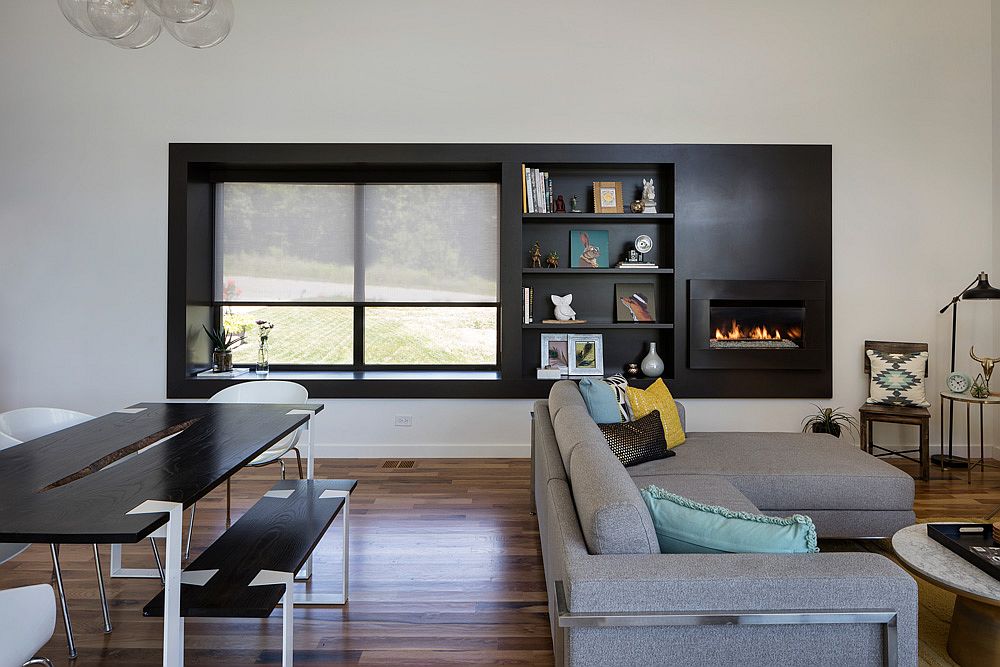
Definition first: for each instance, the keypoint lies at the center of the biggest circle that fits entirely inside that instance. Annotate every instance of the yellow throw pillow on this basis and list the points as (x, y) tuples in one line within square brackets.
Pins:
[(657, 397)]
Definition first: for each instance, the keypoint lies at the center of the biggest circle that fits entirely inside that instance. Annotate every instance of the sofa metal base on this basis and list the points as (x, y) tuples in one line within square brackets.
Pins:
[(884, 617)]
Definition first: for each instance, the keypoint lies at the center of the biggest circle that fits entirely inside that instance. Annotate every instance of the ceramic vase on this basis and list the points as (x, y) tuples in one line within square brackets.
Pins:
[(652, 365)]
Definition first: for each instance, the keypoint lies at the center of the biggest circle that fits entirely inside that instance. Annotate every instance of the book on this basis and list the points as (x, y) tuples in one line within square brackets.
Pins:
[(524, 191), (529, 189), (548, 186)]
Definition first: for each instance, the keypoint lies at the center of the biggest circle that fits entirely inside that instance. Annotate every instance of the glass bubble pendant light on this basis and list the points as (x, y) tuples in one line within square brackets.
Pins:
[(181, 11), (144, 34), (114, 19), (207, 31), (75, 12)]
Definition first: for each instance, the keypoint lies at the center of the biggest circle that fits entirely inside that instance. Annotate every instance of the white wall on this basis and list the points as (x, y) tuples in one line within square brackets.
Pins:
[(901, 89)]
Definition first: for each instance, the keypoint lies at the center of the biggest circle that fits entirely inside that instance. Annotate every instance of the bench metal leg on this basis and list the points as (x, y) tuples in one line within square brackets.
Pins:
[(268, 578), (119, 572), (173, 624), (306, 572), (316, 599), (187, 549)]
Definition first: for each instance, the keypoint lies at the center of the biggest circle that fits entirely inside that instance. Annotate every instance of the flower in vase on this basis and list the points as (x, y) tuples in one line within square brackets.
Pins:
[(264, 329)]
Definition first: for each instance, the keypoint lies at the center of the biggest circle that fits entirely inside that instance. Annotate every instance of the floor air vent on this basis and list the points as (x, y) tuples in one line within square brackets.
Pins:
[(397, 464)]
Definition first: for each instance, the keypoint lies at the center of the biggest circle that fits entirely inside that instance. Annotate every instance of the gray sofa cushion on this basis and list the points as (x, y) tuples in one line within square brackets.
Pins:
[(564, 393), (707, 489), (573, 427), (790, 471), (613, 516)]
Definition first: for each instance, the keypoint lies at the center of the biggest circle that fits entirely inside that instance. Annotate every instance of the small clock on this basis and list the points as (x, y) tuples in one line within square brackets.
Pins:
[(958, 383), (643, 244)]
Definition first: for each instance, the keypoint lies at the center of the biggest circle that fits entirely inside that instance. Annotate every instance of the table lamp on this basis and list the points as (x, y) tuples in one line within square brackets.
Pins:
[(979, 288)]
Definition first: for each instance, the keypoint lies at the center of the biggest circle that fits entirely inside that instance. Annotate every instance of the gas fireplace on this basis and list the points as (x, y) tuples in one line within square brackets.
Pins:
[(766, 324)]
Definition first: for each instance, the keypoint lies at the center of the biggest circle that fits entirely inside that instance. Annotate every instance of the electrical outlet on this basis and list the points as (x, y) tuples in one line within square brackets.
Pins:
[(404, 420)]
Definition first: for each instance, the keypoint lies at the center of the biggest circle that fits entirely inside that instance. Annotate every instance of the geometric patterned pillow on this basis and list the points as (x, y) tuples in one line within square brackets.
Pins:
[(897, 379), (618, 384)]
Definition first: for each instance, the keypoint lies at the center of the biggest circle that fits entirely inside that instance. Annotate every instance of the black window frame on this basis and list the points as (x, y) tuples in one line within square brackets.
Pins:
[(363, 175)]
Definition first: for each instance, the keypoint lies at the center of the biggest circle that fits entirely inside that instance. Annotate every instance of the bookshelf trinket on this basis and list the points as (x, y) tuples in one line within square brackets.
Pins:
[(574, 205), (637, 206), (552, 260), (536, 255), (648, 196), (564, 312), (560, 204)]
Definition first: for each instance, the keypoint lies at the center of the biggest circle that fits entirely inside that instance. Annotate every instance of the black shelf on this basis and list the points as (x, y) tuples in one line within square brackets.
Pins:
[(600, 325), (581, 272), (610, 217)]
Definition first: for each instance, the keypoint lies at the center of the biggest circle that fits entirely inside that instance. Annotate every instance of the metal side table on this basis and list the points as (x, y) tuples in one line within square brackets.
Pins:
[(969, 401)]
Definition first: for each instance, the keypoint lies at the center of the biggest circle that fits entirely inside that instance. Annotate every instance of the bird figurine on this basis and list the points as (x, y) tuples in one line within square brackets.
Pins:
[(563, 310)]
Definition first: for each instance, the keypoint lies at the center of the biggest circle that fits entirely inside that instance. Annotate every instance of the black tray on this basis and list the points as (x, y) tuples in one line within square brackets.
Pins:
[(978, 548)]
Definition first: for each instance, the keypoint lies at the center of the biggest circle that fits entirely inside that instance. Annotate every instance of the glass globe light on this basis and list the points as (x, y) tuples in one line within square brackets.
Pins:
[(206, 31), (114, 19), (144, 34), (75, 12), (181, 11)]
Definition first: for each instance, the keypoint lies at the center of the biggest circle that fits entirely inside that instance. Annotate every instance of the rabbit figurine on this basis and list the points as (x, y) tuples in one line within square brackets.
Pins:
[(563, 310), (590, 253)]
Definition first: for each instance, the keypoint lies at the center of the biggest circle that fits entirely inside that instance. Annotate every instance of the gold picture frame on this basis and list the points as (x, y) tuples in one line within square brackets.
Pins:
[(608, 197)]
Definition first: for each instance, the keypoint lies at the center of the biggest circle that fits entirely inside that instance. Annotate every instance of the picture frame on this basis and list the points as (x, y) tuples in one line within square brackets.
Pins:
[(635, 302), (586, 354), (589, 249), (554, 352), (608, 197)]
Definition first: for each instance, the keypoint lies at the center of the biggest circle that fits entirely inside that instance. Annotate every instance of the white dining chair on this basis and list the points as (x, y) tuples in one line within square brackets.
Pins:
[(27, 621), (261, 391)]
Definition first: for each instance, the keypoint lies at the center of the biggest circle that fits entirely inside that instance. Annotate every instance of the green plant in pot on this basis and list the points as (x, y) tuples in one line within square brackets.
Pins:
[(830, 420), (223, 343)]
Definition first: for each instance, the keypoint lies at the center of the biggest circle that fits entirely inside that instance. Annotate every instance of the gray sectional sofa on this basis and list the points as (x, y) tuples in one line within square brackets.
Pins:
[(615, 600)]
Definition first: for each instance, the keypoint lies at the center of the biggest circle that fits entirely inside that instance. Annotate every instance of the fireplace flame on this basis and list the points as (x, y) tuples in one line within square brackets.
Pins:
[(738, 332)]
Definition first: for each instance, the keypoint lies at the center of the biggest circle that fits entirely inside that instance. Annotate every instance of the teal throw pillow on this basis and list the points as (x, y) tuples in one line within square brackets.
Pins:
[(601, 400), (684, 526)]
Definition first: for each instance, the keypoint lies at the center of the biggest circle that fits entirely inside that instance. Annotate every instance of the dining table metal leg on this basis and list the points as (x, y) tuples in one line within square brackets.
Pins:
[(100, 590)]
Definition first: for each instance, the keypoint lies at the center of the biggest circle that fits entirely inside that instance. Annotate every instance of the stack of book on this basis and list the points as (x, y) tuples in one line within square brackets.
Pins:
[(537, 191), (529, 298)]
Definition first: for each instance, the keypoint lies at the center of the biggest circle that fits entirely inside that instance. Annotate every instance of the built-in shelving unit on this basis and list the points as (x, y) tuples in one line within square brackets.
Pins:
[(597, 272)]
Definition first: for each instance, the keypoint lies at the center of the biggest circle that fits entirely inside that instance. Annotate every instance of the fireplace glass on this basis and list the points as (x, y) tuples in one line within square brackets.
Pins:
[(755, 324)]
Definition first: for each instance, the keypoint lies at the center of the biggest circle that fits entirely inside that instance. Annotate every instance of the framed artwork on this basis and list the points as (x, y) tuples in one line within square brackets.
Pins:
[(635, 302), (555, 352), (586, 354), (588, 249), (608, 197)]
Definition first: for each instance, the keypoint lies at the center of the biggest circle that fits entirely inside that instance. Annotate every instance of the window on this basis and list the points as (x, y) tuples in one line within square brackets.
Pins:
[(361, 276)]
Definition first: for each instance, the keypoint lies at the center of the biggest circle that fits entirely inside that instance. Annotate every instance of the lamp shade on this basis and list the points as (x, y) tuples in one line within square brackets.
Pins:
[(982, 289)]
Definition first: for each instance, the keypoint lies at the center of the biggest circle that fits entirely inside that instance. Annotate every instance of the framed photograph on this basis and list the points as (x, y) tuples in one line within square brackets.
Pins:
[(588, 249), (555, 352), (608, 197), (635, 302), (586, 354)]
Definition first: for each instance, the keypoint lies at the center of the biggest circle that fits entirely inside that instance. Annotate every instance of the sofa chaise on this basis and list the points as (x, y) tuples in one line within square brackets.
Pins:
[(614, 599)]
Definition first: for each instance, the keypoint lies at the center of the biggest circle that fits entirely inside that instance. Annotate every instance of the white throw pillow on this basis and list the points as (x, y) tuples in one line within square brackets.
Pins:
[(897, 379)]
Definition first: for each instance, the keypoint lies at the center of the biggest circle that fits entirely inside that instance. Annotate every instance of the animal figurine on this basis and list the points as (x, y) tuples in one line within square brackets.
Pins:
[(648, 196), (563, 310), (560, 204), (573, 205), (590, 253), (552, 260), (638, 306), (986, 362), (536, 255)]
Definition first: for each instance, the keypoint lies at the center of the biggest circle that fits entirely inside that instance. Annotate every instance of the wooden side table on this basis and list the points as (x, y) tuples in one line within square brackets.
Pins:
[(969, 401)]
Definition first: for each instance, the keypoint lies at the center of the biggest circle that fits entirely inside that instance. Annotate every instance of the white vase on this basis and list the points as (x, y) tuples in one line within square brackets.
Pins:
[(652, 365)]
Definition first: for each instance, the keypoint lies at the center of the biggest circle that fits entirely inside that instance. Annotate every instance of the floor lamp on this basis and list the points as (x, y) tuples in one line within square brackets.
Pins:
[(979, 288)]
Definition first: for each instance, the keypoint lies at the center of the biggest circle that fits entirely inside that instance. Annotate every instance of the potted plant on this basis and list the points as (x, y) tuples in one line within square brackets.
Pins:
[(829, 420), (223, 343)]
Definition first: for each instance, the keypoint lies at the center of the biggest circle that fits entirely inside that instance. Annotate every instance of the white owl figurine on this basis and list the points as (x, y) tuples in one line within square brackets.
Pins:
[(563, 310)]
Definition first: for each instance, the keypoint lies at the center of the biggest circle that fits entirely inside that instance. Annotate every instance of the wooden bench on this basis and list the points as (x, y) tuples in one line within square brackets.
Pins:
[(251, 568)]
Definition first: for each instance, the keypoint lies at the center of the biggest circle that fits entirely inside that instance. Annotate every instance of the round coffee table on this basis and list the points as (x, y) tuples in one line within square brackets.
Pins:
[(974, 638)]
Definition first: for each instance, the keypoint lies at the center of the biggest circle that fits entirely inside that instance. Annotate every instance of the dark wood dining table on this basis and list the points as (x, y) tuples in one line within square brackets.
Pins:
[(121, 477)]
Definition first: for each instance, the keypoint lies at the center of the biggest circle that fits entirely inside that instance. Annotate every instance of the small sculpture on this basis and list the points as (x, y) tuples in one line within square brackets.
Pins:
[(987, 364), (632, 371), (552, 260), (536, 255), (637, 206), (590, 253), (648, 196), (574, 205), (560, 204), (563, 310)]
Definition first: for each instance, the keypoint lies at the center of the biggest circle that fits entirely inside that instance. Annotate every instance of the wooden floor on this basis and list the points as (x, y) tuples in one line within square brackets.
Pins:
[(445, 570)]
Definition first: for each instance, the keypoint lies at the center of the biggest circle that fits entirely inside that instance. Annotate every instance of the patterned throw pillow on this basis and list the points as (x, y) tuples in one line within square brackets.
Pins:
[(897, 379), (638, 441), (619, 384), (657, 397)]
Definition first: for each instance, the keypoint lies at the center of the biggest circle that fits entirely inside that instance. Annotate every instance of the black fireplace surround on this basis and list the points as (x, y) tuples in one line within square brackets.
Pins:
[(757, 324)]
